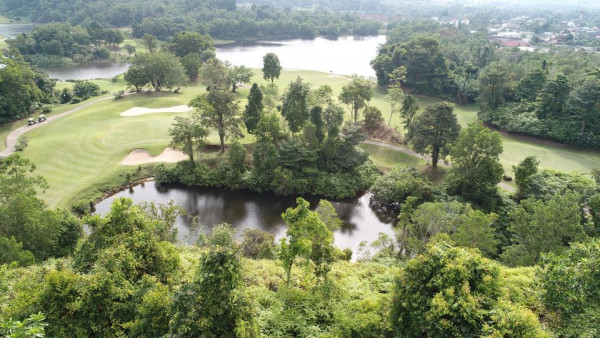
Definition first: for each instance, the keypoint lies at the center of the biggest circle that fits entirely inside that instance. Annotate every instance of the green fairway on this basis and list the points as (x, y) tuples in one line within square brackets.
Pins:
[(80, 154)]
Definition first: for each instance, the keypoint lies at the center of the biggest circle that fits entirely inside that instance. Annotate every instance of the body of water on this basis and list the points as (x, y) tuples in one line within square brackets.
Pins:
[(10, 30), (244, 209), (88, 71), (345, 55)]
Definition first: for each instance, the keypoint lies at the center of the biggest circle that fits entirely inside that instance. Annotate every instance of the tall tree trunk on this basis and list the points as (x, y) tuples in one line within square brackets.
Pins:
[(582, 127), (435, 157)]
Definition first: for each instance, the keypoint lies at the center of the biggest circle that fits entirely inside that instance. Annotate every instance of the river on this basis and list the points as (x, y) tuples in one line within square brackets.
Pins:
[(245, 209)]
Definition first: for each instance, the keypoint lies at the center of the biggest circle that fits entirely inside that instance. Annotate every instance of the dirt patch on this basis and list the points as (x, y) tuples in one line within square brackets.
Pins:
[(141, 156), (136, 111), (383, 133)]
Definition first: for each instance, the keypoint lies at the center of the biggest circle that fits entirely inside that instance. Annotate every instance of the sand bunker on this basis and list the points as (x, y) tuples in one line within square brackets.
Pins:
[(136, 111), (141, 156)]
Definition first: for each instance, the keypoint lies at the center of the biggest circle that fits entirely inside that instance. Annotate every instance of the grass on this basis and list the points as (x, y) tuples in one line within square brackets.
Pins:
[(80, 154)]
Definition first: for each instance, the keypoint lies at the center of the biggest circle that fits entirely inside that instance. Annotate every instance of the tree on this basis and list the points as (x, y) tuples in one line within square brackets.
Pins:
[(189, 134), (184, 43), (215, 74), (553, 97), (271, 67), (307, 236), (257, 244), (214, 305), (218, 110), (192, 63), (254, 108), (434, 130), (18, 90), (524, 172), (395, 187), (270, 96), (295, 104), (160, 69), (237, 157), (570, 289), (493, 85), (410, 107), (476, 168), (239, 74), (357, 94), (24, 219), (584, 102), (151, 42), (395, 96), (316, 118), (328, 215), (538, 227), (268, 129)]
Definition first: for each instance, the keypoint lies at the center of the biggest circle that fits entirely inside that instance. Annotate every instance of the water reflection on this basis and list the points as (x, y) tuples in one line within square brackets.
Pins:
[(88, 71), (244, 209), (10, 30)]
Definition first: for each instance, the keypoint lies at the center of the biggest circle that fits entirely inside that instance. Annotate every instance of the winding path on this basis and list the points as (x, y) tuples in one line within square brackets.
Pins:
[(11, 139), (407, 151)]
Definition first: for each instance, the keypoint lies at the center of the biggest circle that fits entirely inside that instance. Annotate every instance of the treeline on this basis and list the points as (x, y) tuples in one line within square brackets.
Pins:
[(220, 19), (552, 94), (58, 44)]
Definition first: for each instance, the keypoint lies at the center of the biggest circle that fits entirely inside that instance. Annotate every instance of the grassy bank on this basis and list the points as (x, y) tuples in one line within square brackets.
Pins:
[(80, 154)]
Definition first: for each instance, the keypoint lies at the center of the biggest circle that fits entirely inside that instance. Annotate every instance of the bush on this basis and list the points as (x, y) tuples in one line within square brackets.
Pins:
[(258, 244), (82, 207), (119, 95), (85, 89), (101, 53), (391, 190), (22, 143), (373, 117)]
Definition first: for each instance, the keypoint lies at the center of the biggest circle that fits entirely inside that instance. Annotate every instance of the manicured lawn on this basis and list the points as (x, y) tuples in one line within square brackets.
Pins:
[(82, 152)]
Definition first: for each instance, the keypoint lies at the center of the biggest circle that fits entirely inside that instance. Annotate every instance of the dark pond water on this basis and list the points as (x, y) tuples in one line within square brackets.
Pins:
[(88, 71), (345, 55), (244, 209), (10, 30)]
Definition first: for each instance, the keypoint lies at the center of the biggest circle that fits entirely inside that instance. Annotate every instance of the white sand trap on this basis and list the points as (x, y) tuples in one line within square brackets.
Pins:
[(141, 156), (136, 111)]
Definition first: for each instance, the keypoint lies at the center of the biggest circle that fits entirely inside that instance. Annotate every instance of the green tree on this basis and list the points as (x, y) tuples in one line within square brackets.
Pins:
[(192, 64), (570, 284), (160, 69), (237, 157), (410, 107), (18, 91), (215, 74), (493, 85), (239, 74), (268, 129), (151, 42), (356, 94), (328, 215), (257, 244), (524, 172), (395, 97), (553, 97), (538, 227), (476, 168), (12, 251), (184, 43), (395, 187), (136, 76), (214, 305), (307, 236), (189, 134), (316, 118), (218, 111), (254, 108), (295, 104), (584, 103), (271, 67), (433, 131)]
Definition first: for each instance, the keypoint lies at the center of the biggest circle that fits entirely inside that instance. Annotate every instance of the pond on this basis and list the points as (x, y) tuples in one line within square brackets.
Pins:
[(245, 209), (345, 55), (88, 71), (10, 30)]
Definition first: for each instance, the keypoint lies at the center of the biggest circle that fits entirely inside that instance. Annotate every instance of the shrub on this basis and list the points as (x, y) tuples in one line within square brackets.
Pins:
[(391, 190), (85, 89), (22, 143), (373, 117)]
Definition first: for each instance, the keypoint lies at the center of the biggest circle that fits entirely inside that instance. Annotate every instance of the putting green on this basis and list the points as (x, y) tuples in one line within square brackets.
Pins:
[(82, 152)]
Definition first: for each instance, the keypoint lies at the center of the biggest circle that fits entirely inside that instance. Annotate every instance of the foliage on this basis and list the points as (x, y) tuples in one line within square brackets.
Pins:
[(356, 94), (24, 217), (539, 227), (12, 251), (254, 108), (160, 69), (328, 215), (454, 292), (476, 168), (257, 244), (373, 117), (31, 327), (85, 89), (22, 143), (271, 67), (570, 289), (218, 111), (295, 104), (392, 189), (434, 131), (189, 134)]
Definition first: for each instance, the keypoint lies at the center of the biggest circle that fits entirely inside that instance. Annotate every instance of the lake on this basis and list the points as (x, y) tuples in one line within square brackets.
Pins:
[(10, 30), (245, 209), (345, 56), (88, 71)]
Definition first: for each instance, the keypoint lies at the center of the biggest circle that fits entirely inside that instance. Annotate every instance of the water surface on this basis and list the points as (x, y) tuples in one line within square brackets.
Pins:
[(10, 30), (88, 71), (345, 55), (244, 209)]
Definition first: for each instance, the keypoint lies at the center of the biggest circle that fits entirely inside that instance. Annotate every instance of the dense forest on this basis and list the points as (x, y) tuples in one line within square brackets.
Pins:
[(552, 93)]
